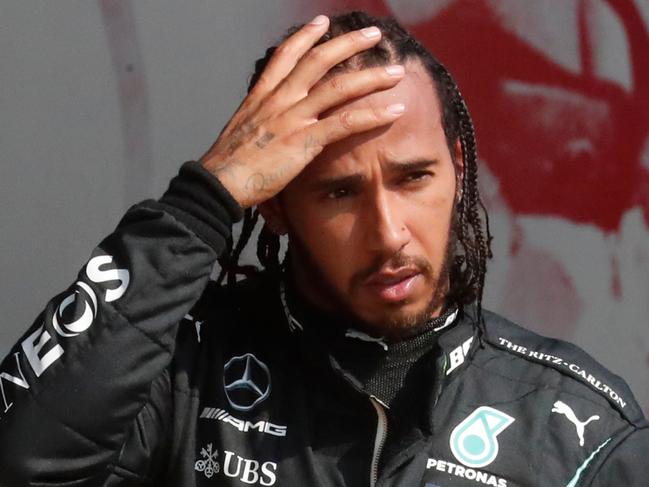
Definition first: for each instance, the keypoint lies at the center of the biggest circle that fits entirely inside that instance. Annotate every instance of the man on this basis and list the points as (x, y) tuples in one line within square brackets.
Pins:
[(364, 358)]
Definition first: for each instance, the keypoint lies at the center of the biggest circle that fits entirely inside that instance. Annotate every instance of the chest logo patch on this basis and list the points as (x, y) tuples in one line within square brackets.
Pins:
[(246, 381), (208, 465), (561, 407), (474, 442)]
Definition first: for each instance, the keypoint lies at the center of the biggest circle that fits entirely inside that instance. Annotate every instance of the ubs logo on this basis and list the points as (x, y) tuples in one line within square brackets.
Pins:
[(246, 381)]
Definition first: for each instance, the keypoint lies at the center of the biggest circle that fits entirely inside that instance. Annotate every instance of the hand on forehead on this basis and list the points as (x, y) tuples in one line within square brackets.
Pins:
[(415, 90), (414, 135)]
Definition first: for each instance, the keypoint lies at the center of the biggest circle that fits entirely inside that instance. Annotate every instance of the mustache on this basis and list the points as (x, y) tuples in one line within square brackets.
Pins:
[(397, 261)]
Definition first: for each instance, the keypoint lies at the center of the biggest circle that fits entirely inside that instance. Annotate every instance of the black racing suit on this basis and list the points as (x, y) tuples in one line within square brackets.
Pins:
[(141, 373)]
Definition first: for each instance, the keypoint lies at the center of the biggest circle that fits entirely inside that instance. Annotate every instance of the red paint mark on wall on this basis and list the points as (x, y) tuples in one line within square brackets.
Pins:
[(563, 141), (129, 71)]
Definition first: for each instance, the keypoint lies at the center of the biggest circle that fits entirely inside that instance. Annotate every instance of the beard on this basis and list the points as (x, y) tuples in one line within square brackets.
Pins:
[(397, 324)]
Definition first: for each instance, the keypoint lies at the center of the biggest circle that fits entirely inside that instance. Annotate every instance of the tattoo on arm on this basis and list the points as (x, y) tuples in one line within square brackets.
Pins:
[(238, 134), (263, 141), (258, 182), (226, 167)]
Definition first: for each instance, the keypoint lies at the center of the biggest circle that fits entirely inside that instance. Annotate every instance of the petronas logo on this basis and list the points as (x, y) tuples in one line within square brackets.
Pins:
[(474, 442)]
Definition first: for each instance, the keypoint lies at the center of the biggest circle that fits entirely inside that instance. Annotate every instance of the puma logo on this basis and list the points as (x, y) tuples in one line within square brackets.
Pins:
[(562, 408)]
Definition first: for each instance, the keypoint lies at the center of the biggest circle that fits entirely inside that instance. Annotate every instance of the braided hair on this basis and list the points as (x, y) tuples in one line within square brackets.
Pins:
[(471, 224)]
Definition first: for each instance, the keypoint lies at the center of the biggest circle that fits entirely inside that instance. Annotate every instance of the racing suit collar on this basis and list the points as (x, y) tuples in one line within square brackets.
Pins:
[(329, 335)]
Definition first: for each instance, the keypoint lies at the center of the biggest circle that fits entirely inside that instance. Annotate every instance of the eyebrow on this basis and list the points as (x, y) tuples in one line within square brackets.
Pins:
[(408, 166), (401, 167)]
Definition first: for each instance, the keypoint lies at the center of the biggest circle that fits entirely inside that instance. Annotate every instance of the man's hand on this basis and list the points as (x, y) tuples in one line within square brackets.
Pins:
[(277, 130)]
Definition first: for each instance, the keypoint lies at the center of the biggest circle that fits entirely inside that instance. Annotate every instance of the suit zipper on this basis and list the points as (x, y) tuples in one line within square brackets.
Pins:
[(379, 439)]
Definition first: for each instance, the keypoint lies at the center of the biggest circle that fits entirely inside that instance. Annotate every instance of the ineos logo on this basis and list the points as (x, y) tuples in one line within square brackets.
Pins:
[(99, 271), (81, 324), (74, 315), (76, 312), (246, 381)]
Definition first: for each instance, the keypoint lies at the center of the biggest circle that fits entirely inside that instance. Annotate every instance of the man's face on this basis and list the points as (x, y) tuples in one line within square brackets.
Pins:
[(369, 219)]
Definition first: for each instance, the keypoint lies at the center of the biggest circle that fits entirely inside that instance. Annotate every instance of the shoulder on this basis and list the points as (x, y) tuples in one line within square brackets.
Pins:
[(250, 306), (567, 365), (228, 321)]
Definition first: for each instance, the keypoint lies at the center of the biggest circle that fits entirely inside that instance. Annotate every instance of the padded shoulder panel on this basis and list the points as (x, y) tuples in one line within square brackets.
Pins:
[(567, 359)]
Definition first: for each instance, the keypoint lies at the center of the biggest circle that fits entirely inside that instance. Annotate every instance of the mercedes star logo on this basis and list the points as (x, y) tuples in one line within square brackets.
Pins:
[(246, 381)]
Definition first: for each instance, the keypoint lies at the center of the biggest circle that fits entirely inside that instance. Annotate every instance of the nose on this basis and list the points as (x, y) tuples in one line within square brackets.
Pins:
[(387, 232)]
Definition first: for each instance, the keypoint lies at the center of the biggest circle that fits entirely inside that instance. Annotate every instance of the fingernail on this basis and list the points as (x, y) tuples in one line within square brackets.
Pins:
[(396, 109), (371, 32), (319, 20), (395, 70)]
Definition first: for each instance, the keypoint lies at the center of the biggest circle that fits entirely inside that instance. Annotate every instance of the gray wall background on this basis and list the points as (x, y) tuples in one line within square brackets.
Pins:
[(76, 73), (65, 164)]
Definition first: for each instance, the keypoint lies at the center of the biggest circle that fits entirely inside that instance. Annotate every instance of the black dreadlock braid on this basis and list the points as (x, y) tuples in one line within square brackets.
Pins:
[(229, 261), (471, 226)]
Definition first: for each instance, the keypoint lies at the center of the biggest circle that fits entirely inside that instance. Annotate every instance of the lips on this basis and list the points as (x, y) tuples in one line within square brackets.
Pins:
[(395, 285), (386, 278)]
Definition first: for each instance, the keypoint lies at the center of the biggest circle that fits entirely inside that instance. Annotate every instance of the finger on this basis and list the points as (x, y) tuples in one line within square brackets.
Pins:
[(288, 53), (319, 60), (345, 87), (343, 124)]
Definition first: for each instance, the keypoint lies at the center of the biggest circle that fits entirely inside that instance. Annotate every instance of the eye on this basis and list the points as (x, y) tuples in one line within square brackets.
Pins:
[(417, 176), (338, 193)]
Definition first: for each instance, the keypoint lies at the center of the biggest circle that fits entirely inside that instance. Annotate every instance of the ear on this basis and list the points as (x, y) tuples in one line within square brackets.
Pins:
[(273, 214), (458, 161)]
